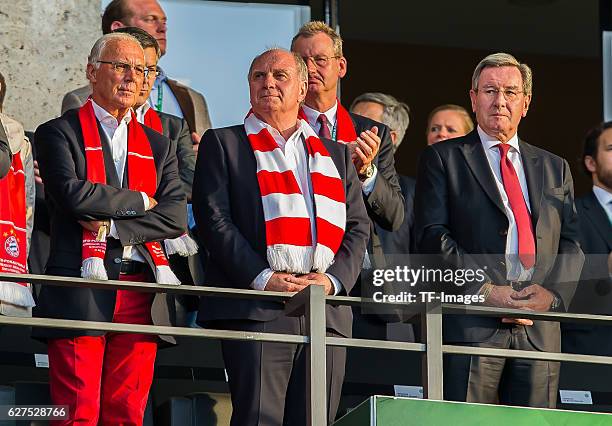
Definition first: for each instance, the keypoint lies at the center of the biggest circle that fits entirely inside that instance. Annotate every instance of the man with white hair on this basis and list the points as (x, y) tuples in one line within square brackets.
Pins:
[(278, 209), (113, 193)]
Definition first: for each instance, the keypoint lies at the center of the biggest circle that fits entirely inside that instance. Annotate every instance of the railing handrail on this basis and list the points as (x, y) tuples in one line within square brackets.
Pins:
[(311, 303)]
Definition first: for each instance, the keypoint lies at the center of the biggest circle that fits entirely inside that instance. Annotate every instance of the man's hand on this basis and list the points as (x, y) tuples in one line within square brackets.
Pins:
[(503, 296), (94, 225), (534, 298), (195, 138), (152, 203), (37, 177), (365, 149), (279, 281), (313, 278)]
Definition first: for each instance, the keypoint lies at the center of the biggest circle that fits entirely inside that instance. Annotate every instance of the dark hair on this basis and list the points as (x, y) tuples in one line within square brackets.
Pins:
[(591, 142), (2, 90), (145, 39), (115, 11)]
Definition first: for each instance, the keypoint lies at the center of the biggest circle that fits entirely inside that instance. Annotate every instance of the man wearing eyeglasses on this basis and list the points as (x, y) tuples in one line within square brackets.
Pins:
[(167, 95), (113, 193), (370, 142), (490, 202)]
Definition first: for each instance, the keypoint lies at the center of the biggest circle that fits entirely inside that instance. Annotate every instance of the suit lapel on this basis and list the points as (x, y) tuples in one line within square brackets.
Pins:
[(477, 161), (185, 102), (532, 165), (598, 217)]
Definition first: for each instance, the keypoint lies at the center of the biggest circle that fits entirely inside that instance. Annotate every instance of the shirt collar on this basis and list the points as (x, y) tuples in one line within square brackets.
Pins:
[(604, 197), (278, 138), (141, 111), (312, 114), (106, 119), (489, 142), (161, 77)]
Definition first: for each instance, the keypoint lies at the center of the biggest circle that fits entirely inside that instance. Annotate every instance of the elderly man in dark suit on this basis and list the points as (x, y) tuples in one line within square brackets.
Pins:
[(168, 95), (490, 201), (278, 209), (113, 194)]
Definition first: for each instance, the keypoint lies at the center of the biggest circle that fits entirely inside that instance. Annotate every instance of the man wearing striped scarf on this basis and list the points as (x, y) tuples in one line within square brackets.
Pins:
[(278, 209)]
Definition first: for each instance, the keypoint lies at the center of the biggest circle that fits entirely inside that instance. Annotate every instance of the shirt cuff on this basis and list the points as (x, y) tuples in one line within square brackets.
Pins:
[(113, 230), (337, 286), (145, 200), (367, 186), (261, 280)]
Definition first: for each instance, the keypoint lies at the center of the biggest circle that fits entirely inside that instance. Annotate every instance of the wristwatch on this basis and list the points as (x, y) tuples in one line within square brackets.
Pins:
[(369, 172), (556, 303)]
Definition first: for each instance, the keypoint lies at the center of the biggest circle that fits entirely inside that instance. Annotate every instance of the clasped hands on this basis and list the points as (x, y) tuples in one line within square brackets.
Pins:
[(282, 281), (531, 298), (364, 149), (95, 225)]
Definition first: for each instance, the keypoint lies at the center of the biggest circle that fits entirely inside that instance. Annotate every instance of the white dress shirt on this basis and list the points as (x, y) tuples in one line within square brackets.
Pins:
[(295, 156), (141, 111), (514, 268), (605, 199), (312, 115), (116, 133), (161, 89)]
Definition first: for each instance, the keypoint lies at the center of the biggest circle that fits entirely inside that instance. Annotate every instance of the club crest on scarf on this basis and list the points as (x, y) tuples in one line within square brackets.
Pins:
[(13, 258), (291, 247)]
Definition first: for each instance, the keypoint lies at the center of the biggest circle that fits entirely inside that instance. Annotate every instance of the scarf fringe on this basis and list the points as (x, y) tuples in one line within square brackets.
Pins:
[(183, 246), (290, 259), (323, 259), (16, 294), (164, 275), (93, 269)]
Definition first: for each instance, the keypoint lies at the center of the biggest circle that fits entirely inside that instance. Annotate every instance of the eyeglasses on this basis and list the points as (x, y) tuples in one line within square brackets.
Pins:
[(151, 73), (320, 61), (123, 68), (492, 93)]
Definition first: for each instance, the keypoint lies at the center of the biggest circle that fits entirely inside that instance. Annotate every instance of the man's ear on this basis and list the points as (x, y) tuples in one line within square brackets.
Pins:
[(116, 24), (91, 73), (342, 66), (590, 164)]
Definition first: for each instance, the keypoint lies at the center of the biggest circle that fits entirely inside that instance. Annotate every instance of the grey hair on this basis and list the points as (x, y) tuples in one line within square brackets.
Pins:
[(100, 45), (300, 65), (396, 114), (504, 60)]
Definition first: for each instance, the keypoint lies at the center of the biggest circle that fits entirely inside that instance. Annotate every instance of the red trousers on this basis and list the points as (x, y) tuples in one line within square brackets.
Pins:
[(106, 379)]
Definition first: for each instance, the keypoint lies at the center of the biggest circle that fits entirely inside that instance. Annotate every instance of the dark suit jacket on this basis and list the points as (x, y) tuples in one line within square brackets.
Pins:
[(229, 216), (385, 204), (459, 213), (70, 197), (594, 293), (177, 130), (5, 154), (400, 241)]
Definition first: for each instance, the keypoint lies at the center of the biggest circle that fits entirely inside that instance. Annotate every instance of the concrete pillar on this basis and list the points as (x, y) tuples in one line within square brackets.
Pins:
[(43, 51)]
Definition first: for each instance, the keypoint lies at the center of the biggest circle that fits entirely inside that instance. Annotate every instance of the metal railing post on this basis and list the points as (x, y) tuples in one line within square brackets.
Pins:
[(310, 302), (432, 358), (316, 387)]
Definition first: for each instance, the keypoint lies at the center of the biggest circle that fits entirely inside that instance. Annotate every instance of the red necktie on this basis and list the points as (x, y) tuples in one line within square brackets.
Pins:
[(526, 242), (324, 131)]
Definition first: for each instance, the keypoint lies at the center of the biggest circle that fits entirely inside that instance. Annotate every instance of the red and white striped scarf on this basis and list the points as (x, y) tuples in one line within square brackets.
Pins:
[(345, 129), (289, 239), (142, 177), (13, 238), (184, 245)]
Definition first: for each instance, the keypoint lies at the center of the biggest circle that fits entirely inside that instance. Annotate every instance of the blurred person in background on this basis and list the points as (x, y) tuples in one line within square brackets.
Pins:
[(446, 122)]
